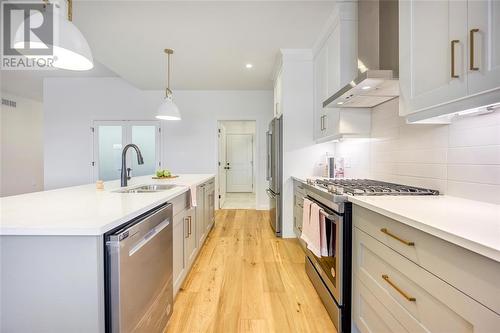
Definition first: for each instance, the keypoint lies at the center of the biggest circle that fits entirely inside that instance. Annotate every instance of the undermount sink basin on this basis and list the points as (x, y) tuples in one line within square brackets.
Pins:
[(148, 188)]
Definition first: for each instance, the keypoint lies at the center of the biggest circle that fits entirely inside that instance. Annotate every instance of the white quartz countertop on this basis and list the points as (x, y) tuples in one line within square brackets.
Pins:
[(84, 210), (473, 225)]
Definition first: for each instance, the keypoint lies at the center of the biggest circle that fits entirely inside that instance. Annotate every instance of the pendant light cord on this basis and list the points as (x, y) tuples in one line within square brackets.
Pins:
[(168, 92), (70, 10)]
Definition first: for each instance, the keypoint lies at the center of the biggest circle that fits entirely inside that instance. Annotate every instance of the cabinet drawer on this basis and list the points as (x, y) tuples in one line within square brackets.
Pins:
[(180, 203), (419, 300), (473, 274), (298, 188), (369, 315)]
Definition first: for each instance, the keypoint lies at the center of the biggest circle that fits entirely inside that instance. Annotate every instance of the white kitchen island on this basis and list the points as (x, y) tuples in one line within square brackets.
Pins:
[(52, 250)]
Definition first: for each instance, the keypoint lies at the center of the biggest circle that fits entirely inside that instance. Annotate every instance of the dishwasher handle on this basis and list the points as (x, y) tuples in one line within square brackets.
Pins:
[(148, 237)]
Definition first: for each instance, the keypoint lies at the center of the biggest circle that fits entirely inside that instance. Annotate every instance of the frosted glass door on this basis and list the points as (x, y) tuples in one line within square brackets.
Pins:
[(110, 143), (145, 137), (111, 136)]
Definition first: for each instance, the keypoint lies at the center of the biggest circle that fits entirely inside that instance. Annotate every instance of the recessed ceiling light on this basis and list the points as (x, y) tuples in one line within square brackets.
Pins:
[(366, 87), (248, 65), (340, 103)]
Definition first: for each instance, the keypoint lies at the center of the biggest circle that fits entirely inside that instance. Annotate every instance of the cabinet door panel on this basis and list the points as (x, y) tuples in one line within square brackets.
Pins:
[(426, 31), (320, 90), (190, 246), (200, 215), (178, 234), (484, 15), (333, 61)]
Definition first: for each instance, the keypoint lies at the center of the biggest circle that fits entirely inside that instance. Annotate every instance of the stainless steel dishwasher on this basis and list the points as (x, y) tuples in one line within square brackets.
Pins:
[(139, 288)]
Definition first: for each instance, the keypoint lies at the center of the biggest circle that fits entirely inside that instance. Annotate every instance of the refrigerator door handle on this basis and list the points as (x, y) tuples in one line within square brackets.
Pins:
[(270, 193), (268, 166)]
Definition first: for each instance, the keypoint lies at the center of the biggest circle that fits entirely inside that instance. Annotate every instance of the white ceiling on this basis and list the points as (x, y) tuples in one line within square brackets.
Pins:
[(212, 40), (29, 84)]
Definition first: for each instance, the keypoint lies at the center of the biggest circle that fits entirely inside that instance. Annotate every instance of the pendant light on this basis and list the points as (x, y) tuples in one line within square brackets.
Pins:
[(71, 50), (168, 110)]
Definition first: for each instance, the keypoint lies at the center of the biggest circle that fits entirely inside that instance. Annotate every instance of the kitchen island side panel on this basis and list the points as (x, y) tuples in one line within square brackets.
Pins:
[(52, 284)]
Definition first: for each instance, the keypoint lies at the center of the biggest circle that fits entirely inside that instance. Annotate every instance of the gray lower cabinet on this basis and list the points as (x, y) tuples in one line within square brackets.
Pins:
[(190, 243), (179, 260), (298, 207), (191, 227), (201, 230)]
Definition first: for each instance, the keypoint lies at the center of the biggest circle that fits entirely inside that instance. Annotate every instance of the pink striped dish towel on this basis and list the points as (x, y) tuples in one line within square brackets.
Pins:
[(311, 233)]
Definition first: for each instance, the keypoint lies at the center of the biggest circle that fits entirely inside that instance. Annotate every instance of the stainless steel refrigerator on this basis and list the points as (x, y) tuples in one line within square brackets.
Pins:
[(275, 172)]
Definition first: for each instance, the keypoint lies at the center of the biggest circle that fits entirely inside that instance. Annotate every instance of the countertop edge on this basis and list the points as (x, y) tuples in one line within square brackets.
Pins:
[(99, 231), (422, 226)]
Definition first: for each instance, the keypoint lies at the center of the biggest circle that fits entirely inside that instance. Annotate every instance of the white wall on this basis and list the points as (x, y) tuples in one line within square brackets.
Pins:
[(191, 144), (461, 159), (300, 153), (188, 146), (21, 146)]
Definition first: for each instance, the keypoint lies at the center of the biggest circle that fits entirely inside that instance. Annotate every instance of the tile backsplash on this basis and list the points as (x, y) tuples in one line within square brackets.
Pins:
[(460, 159)]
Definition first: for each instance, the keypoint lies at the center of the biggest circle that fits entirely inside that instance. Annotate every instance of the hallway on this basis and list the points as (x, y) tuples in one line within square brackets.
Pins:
[(247, 280), (242, 200)]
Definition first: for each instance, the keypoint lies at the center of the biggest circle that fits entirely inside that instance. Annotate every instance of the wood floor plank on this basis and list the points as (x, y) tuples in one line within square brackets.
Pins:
[(247, 280)]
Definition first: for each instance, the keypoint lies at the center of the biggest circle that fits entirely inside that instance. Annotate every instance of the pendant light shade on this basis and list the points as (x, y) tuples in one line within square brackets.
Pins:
[(70, 50), (168, 110)]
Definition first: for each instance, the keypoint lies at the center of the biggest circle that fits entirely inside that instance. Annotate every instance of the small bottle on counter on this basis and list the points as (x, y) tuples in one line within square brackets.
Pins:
[(99, 185)]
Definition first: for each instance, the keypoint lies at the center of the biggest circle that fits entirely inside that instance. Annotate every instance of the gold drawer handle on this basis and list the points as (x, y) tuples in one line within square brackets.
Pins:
[(388, 233), (453, 74), (471, 39), (404, 294)]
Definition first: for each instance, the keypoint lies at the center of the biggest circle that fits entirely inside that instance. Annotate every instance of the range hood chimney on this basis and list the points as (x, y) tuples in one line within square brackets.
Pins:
[(378, 58)]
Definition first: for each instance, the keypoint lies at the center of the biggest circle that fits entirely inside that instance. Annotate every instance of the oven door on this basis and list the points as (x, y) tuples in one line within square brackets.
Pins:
[(330, 268)]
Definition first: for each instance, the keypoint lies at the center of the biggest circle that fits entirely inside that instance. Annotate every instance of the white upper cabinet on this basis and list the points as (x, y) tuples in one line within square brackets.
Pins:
[(432, 38), (335, 65), (484, 45), (278, 95), (449, 57), (320, 93)]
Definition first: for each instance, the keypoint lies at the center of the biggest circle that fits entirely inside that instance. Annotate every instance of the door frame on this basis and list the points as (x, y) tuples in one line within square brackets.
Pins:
[(127, 135), (221, 146), (255, 155)]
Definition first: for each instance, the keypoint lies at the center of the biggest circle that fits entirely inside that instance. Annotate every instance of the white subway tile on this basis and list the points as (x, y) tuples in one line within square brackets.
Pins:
[(484, 174), (422, 156), (474, 155), (475, 191), (476, 136), (437, 171)]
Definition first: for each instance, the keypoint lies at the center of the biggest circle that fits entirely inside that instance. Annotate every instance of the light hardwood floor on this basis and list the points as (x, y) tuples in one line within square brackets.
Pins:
[(247, 280)]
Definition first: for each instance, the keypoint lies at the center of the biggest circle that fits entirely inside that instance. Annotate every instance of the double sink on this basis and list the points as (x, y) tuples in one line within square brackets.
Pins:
[(148, 188)]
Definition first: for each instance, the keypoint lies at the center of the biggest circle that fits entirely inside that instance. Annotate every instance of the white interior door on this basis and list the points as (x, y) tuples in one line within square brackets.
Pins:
[(239, 149), (111, 136), (222, 165)]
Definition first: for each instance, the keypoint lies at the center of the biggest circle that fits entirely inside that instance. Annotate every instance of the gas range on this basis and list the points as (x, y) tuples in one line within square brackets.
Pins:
[(369, 187), (335, 192)]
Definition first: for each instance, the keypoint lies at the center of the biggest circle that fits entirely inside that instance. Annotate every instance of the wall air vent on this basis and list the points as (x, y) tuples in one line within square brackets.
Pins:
[(8, 102)]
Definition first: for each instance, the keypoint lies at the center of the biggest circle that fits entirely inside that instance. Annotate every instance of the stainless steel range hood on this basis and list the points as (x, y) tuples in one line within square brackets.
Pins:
[(378, 58)]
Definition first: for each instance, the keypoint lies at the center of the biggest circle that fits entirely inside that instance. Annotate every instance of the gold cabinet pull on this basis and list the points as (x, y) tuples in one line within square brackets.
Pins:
[(404, 241), (471, 38), (453, 75), (399, 290)]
